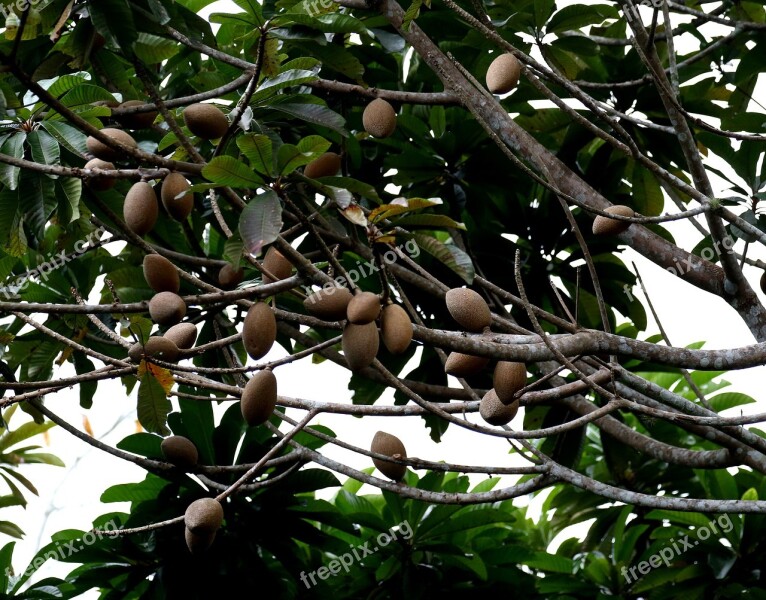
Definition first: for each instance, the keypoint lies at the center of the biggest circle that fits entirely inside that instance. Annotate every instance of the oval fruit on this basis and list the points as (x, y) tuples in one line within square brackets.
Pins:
[(469, 309), (160, 274), (198, 542), (464, 365), (161, 348), (607, 226), (167, 308), (389, 445), (100, 184), (326, 165), (259, 398), (206, 121), (204, 516), (142, 120), (140, 210), (275, 263), (183, 335), (360, 345), (104, 152), (395, 329), (379, 118), (363, 308), (229, 277), (173, 186), (495, 412), (503, 74), (179, 451), (136, 352), (509, 378), (329, 303), (259, 330)]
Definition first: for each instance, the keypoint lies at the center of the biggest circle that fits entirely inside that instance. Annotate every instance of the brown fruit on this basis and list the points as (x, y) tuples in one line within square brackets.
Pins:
[(167, 308), (469, 309), (326, 165), (206, 121), (508, 379), (379, 118), (180, 451), (104, 152), (229, 277), (763, 282), (100, 184), (607, 226), (161, 348), (198, 542), (259, 398), (160, 274), (204, 516), (259, 330), (136, 352), (140, 210), (329, 303), (276, 264), (464, 365), (503, 74), (183, 335), (360, 345), (363, 308), (173, 186), (389, 445), (142, 120), (495, 412), (395, 328)]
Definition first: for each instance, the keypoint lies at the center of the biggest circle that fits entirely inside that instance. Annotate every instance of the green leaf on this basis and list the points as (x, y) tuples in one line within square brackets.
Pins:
[(69, 137), (449, 254), (258, 150), (726, 400), (313, 113), (24, 432), (153, 405), (153, 49), (44, 147), (11, 529), (647, 194), (576, 16), (289, 78), (114, 20), (13, 146), (227, 170), (260, 222), (430, 221), (412, 13)]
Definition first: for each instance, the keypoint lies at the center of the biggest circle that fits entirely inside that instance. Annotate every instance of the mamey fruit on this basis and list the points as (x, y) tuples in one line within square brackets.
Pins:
[(607, 226), (259, 398), (395, 328), (469, 309), (140, 120), (206, 121), (157, 347), (180, 451), (379, 118), (495, 412), (464, 365), (508, 379), (326, 165), (275, 263), (183, 335), (259, 330), (389, 445), (198, 542), (360, 345), (230, 277), (140, 209), (100, 184), (503, 74), (167, 308), (104, 152), (329, 303), (177, 207), (204, 516), (363, 308), (160, 274)]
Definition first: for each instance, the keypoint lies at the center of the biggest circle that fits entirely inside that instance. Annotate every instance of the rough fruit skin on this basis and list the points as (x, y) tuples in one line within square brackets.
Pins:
[(363, 308), (379, 118), (198, 542), (329, 303), (360, 345), (259, 330), (495, 412), (469, 309), (259, 398), (161, 348), (104, 152), (100, 184), (464, 365), (183, 335), (607, 226), (160, 274), (389, 445), (140, 210), (230, 277), (204, 516), (167, 308), (326, 165), (509, 378), (142, 120), (395, 329), (178, 208), (503, 74), (276, 264), (180, 451), (206, 121), (136, 352)]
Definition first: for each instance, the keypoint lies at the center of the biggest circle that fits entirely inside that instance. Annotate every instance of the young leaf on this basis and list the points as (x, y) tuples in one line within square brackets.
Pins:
[(260, 222)]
